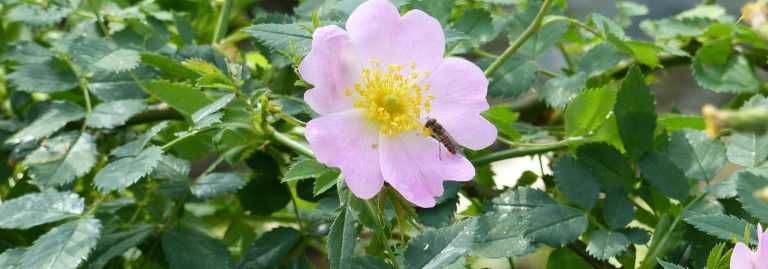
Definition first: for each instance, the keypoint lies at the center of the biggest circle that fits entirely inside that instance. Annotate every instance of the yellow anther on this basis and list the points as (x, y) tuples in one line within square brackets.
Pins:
[(392, 98)]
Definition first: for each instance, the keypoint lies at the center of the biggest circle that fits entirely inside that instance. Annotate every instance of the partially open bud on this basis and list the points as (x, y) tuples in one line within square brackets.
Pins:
[(752, 120)]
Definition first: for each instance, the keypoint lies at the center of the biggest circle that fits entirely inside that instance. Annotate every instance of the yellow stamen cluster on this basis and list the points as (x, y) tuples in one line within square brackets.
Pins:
[(392, 98)]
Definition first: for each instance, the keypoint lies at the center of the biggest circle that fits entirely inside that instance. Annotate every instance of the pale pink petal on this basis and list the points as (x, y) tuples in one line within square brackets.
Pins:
[(742, 257), (331, 66), (416, 166), (345, 140), (381, 34), (762, 248), (459, 88)]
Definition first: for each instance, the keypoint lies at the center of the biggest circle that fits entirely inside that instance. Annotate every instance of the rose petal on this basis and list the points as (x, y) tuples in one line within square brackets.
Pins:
[(742, 257), (416, 166), (762, 248), (381, 34), (331, 66), (459, 88), (346, 141)]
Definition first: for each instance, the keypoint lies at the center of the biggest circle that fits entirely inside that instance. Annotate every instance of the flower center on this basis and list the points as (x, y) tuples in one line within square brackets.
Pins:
[(393, 98)]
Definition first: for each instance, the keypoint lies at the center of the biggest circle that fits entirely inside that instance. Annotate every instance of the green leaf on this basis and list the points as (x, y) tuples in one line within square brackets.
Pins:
[(266, 177), (169, 66), (644, 53), (514, 77), (111, 86), (38, 208), (477, 25), (663, 175), (118, 242), (212, 108), (716, 52), (135, 147), (270, 249), (27, 52), (123, 172), (368, 262), (119, 61), (605, 244), (441, 247), (564, 258), (576, 181), (637, 236), (37, 15), (502, 234), (112, 114), (607, 165), (87, 51), (723, 227), (617, 209), (675, 122), (189, 249), (45, 77), (556, 225), (171, 167), (439, 9), (211, 76), (521, 200), (699, 156), (282, 37), (669, 265), (735, 76), (746, 186), (10, 258), (341, 239), (441, 215), (56, 116), (216, 184), (558, 92), (326, 181), (182, 97), (599, 59), (718, 259), (63, 247), (749, 149), (62, 159), (304, 169), (504, 119), (635, 114), (588, 111)]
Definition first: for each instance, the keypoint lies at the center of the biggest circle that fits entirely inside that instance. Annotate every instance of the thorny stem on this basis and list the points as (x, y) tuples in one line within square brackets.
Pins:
[(223, 21), (535, 25)]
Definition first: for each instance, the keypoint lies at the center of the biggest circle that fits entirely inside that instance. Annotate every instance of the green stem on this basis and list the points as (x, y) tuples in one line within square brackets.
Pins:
[(548, 73), (223, 21), (535, 25), (577, 23), (567, 57), (188, 135), (296, 212), (531, 149), (654, 251), (293, 144)]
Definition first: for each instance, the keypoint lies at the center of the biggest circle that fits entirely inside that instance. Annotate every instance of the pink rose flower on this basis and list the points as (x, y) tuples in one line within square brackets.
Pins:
[(375, 84), (745, 258)]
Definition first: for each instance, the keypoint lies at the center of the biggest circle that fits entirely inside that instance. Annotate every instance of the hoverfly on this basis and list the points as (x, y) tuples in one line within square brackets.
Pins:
[(439, 133)]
